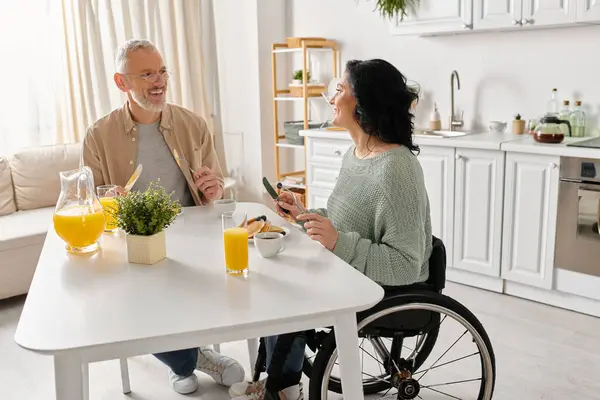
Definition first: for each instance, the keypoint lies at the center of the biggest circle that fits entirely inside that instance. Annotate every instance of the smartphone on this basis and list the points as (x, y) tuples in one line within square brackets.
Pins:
[(272, 192)]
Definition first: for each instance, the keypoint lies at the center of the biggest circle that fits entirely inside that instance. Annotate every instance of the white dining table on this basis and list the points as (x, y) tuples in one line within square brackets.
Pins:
[(88, 308)]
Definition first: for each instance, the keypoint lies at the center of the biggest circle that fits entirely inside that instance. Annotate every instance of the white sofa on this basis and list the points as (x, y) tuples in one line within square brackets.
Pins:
[(29, 189)]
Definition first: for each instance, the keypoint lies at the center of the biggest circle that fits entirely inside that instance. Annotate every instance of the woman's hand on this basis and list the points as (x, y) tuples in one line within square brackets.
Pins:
[(286, 202), (320, 229)]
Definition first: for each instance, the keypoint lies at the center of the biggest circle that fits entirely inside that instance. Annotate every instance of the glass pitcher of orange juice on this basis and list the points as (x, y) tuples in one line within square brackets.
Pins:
[(79, 218)]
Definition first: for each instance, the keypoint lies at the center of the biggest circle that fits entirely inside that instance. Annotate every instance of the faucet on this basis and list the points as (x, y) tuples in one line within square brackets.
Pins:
[(454, 123)]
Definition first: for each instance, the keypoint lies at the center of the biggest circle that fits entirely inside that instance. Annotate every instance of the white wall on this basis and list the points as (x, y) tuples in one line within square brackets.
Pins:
[(244, 32), (500, 73)]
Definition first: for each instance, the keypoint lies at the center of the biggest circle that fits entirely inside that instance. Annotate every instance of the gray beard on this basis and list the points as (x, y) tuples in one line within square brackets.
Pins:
[(146, 104)]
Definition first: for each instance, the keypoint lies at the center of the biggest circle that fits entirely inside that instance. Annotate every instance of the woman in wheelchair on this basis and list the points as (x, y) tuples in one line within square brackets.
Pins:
[(377, 220)]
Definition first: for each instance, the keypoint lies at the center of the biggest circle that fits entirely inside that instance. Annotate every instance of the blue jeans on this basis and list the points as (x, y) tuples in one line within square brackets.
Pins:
[(181, 362), (295, 358)]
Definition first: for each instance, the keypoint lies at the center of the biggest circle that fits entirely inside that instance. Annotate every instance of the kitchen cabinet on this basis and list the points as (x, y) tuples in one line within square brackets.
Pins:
[(438, 170), (495, 14), (518, 14), (317, 197), (437, 16), (548, 12), (588, 11), (479, 193), (530, 207), (457, 16)]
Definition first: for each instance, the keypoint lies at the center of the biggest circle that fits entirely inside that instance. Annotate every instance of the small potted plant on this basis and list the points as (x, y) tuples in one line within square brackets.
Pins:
[(144, 216), (518, 125), (297, 77)]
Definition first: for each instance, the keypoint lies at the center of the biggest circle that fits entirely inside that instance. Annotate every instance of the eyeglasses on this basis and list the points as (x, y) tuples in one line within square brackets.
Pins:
[(152, 77)]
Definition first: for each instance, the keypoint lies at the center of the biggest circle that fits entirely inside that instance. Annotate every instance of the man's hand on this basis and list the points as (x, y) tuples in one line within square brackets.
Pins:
[(117, 191), (210, 185)]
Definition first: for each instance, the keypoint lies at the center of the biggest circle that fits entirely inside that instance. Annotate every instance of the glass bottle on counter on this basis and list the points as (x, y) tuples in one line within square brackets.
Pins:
[(577, 120), (565, 114), (552, 107)]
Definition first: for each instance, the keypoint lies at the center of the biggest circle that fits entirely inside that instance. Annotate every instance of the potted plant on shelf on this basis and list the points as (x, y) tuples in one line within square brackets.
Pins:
[(144, 216), (392, 8), (297, 77), (518, 125)]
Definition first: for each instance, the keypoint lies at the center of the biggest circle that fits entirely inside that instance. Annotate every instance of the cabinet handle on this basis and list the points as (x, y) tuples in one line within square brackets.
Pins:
[(337, 153), (458, 157), (516, 22), (553, 165), (526, 21), (467, 26)]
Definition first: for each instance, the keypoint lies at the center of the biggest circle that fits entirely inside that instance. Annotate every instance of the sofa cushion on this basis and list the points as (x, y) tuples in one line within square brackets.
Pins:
[(7, 198), (25, 228), (35, 173)]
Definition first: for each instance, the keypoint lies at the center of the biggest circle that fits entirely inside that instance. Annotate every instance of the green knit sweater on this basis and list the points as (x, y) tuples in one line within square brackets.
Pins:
[(381, 210)]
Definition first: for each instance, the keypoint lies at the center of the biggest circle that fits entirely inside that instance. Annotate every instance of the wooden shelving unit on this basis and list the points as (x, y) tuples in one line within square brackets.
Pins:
[(302, 46)]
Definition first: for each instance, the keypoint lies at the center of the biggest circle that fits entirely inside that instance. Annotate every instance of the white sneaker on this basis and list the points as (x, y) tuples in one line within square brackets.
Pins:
[(223, 370), (183, 385), (242, 388), (245, 388), (291, 393)]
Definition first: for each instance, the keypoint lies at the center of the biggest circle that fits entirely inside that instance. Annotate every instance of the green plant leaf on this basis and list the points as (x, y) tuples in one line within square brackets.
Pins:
[(396, 8), (298, 75), (146, 213)]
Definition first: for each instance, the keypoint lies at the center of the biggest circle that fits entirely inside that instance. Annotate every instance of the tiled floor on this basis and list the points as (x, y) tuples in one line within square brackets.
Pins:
[(541, 352)]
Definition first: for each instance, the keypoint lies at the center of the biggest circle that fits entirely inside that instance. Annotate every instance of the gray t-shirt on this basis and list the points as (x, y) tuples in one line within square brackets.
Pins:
[(159, 165)]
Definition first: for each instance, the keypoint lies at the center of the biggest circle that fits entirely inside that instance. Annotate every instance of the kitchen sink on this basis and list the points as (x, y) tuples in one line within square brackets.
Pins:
[(439, 134)]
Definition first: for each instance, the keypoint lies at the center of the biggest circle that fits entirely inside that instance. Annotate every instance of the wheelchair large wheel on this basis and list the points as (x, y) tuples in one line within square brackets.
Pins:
[(419, 351), (445, 373)]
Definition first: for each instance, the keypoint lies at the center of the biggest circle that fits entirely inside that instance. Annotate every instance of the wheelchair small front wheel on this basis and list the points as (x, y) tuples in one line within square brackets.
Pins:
[(460, 365)]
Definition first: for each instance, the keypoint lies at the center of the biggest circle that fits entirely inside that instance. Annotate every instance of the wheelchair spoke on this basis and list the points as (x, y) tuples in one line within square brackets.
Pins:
[(449, 362), (444, 393), (371, 355), (452, 383), (436, 361)]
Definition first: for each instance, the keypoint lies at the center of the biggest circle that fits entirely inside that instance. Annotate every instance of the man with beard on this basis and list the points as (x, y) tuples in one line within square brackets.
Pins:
[(167, 140)]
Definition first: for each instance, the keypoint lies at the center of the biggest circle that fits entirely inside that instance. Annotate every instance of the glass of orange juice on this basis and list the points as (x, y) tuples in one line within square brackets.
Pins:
[(106, 195), (235, 243)]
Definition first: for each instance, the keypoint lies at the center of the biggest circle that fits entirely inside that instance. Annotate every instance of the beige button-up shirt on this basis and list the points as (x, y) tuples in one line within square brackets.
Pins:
[(110, 146)]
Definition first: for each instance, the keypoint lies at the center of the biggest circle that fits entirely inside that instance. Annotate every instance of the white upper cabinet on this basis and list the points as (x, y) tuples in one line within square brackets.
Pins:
[(548, 12), (437, 16), (588, 11), (495, 14)]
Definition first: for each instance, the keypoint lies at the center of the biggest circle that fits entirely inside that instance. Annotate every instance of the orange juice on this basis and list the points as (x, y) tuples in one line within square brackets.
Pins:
[(79, 227), (109, 204), (236, 250)]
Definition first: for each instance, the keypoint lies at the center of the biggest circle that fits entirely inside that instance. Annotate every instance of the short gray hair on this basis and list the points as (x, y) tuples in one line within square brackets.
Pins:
[(130, 46)]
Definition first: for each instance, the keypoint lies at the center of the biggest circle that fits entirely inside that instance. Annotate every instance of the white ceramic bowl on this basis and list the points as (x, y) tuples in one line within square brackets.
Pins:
[(497, 126), (222, 206)]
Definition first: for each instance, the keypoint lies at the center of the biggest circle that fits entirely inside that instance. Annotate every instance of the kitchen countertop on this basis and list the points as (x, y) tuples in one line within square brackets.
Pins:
[(486, 141), (526, 144)]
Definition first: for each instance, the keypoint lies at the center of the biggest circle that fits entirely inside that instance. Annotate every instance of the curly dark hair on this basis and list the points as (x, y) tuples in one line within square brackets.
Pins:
[(383, 101)]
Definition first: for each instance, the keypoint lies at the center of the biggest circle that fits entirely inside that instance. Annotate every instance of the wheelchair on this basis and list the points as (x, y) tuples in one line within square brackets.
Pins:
[(414, 312)]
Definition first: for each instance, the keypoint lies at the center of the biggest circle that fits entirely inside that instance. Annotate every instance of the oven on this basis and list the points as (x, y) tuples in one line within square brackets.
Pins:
[(577, 238)]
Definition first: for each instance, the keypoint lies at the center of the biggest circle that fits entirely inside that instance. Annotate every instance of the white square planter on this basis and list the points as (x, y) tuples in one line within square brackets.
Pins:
[(146, 249)]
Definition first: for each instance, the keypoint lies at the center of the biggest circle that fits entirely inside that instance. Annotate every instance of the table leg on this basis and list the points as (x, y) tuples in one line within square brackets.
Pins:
[(68, 377), (125, 376), (252, 353), (85, 374), (346, 338)]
